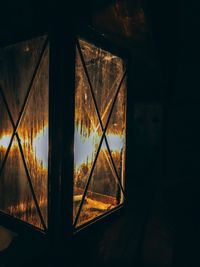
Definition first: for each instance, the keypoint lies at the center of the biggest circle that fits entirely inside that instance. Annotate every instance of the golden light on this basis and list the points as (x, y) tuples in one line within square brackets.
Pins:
[(100, 172), (99, 103), (36, 155), (39, 146), (86, 147)]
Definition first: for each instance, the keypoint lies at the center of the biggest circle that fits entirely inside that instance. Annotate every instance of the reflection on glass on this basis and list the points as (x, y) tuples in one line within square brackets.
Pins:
[(19, 62), (117, 130), (16, 70), (33, 131), (5, 130), (105, 72), (15, 194)]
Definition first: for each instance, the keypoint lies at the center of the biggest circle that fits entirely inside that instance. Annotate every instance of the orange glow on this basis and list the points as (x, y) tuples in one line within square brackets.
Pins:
[(99, 174), (22, 207), (86, 147), (37, 161), (39, 146)]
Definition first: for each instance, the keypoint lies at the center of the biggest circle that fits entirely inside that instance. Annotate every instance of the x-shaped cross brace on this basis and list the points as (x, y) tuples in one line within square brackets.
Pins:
[(15, 133), (103, 137)]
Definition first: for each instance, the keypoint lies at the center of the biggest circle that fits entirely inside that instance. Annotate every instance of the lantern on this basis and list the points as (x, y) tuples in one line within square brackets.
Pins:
[(62, 132)]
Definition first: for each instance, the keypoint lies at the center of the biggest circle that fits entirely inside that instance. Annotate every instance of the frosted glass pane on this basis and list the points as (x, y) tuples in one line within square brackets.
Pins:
[(116, 131), (85, 141), (17, 66), (16, 70), (105, 73), (33, 132), (6, 130), (103, 193), (15, 194)]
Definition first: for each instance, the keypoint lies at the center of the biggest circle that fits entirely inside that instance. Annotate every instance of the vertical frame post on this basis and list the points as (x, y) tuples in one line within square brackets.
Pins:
[(61, 135), (129, 172)]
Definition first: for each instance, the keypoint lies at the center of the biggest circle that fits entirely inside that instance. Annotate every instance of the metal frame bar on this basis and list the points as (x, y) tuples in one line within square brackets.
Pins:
[(99, 218), (18, 226), (61, 136)]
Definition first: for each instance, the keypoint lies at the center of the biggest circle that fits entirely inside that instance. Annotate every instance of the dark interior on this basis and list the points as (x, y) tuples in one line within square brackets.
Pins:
[(160, 223)]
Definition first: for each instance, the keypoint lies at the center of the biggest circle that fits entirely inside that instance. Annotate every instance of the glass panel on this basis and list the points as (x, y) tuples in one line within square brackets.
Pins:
[(116, 131), (17, 65), (16, 71), (33, 133), (105, 71), (104, 192), (15, 194), (6, 130), (87, 133)]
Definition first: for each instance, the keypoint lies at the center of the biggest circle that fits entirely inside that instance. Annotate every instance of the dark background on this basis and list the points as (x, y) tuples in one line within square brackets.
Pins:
[(160, 225)]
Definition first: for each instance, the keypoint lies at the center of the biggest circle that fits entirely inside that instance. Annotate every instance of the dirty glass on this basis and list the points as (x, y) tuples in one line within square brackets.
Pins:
[(24, 158), (17, 63), (100, 128), (15, 195)]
